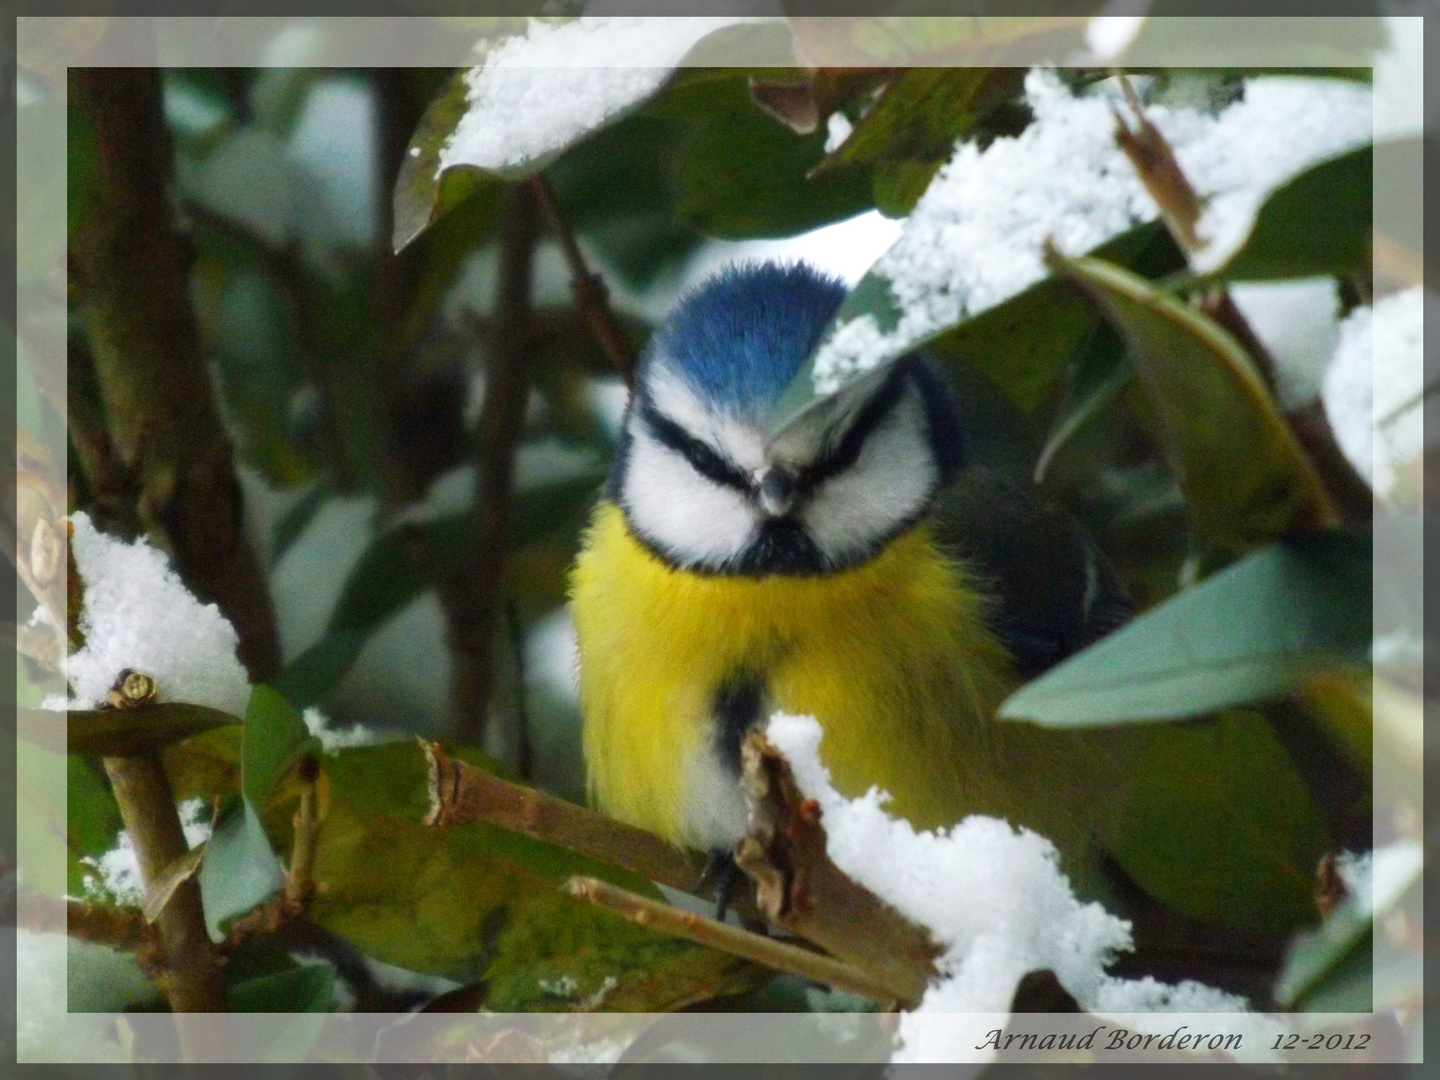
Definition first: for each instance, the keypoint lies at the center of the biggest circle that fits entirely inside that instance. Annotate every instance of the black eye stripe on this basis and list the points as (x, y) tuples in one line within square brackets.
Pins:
[(846, 452), (705, 460)]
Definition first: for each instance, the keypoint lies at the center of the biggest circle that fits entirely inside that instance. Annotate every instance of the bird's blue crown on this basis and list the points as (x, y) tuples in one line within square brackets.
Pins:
[(739, 338)]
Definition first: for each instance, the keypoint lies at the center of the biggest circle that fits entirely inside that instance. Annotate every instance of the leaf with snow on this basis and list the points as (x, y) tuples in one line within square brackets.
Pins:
[(541, 91), (138, 614), (976, 236)]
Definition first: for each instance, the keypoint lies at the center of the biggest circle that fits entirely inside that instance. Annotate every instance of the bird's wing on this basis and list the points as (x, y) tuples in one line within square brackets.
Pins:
[(1055, 592)]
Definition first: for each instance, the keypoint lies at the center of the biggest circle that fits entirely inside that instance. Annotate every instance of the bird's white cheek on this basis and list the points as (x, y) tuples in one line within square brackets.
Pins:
[(889, 484), (673, 506)]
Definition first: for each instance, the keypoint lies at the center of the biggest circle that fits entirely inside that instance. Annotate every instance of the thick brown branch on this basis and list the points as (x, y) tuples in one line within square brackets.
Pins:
[(129, 279), (472, 595), (461, 793), (778, 955), (191, 974), (592, 298), (800, 890)]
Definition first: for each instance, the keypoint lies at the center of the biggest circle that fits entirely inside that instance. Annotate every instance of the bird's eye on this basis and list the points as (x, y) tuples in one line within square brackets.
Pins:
[(702, 458), (842, 454)]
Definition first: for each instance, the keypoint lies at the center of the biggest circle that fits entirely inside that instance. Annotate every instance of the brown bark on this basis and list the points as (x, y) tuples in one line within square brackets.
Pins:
[(191, 972), (129, 280), (472, 595)]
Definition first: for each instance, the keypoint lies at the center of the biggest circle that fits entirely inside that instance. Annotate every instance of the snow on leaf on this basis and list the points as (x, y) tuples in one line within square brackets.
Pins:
[(976, 236), (138, 614), (1373, 388), (542, 90)]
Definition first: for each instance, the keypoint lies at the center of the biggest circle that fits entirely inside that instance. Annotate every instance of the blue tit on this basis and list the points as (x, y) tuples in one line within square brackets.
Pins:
[(857, 567)]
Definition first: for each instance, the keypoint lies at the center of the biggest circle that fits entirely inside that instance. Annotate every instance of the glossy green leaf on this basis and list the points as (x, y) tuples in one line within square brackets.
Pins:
[(308, 988), (1317, 223), (239, 870), (740, 173), (1245, 634), (119, 732), (274, 739), (1247, 481), (476, 902), (1212, 819), (420, 197), (1097, 375)]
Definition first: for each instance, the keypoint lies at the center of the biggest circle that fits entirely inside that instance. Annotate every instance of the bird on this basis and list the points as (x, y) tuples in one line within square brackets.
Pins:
[(857, 566)]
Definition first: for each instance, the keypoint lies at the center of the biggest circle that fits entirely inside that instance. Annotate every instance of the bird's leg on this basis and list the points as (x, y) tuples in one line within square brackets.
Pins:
[(722, 874)]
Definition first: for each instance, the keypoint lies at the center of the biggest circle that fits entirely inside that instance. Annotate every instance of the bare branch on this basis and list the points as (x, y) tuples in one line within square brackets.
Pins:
[(461, 793), (592, 298), (191, 974), (472, 595)]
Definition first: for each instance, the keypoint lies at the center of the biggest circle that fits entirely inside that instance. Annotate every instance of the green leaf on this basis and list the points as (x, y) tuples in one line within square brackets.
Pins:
[(1247, 480), (119, 732), (307, 988), (1316, 223), (168, 880), (1244, 634), (921, 113), (274, 739), (239, 870), (1212, 819), (740, 173), (420, 196), (1021, 344), (1097, 375), (476, 902)]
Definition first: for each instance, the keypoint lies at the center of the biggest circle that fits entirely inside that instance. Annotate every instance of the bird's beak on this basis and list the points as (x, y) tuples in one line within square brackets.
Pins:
[(777, 489)]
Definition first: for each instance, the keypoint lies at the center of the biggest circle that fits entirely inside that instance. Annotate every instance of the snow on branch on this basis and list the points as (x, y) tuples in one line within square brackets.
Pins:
[(976, 236), (995, 900)]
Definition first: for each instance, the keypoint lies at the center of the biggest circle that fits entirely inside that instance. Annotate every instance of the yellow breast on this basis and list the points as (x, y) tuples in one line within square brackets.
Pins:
[(892, 658)]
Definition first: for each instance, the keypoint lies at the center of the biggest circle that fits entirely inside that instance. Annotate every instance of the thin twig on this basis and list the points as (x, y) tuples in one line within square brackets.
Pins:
[(756, 948), (472, 595), (300, 876), (120, 928), (592, 297), (525, 749)]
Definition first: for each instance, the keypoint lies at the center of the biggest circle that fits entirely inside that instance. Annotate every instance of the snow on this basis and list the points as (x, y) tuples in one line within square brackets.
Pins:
[(137, 614), (1108, 35), (44, 1029), (1372, 388), (994, 898), (837, 130), (333, 738), (1298, 323), (119, 868), (1377, 879), (976, 236), (542, 90)]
